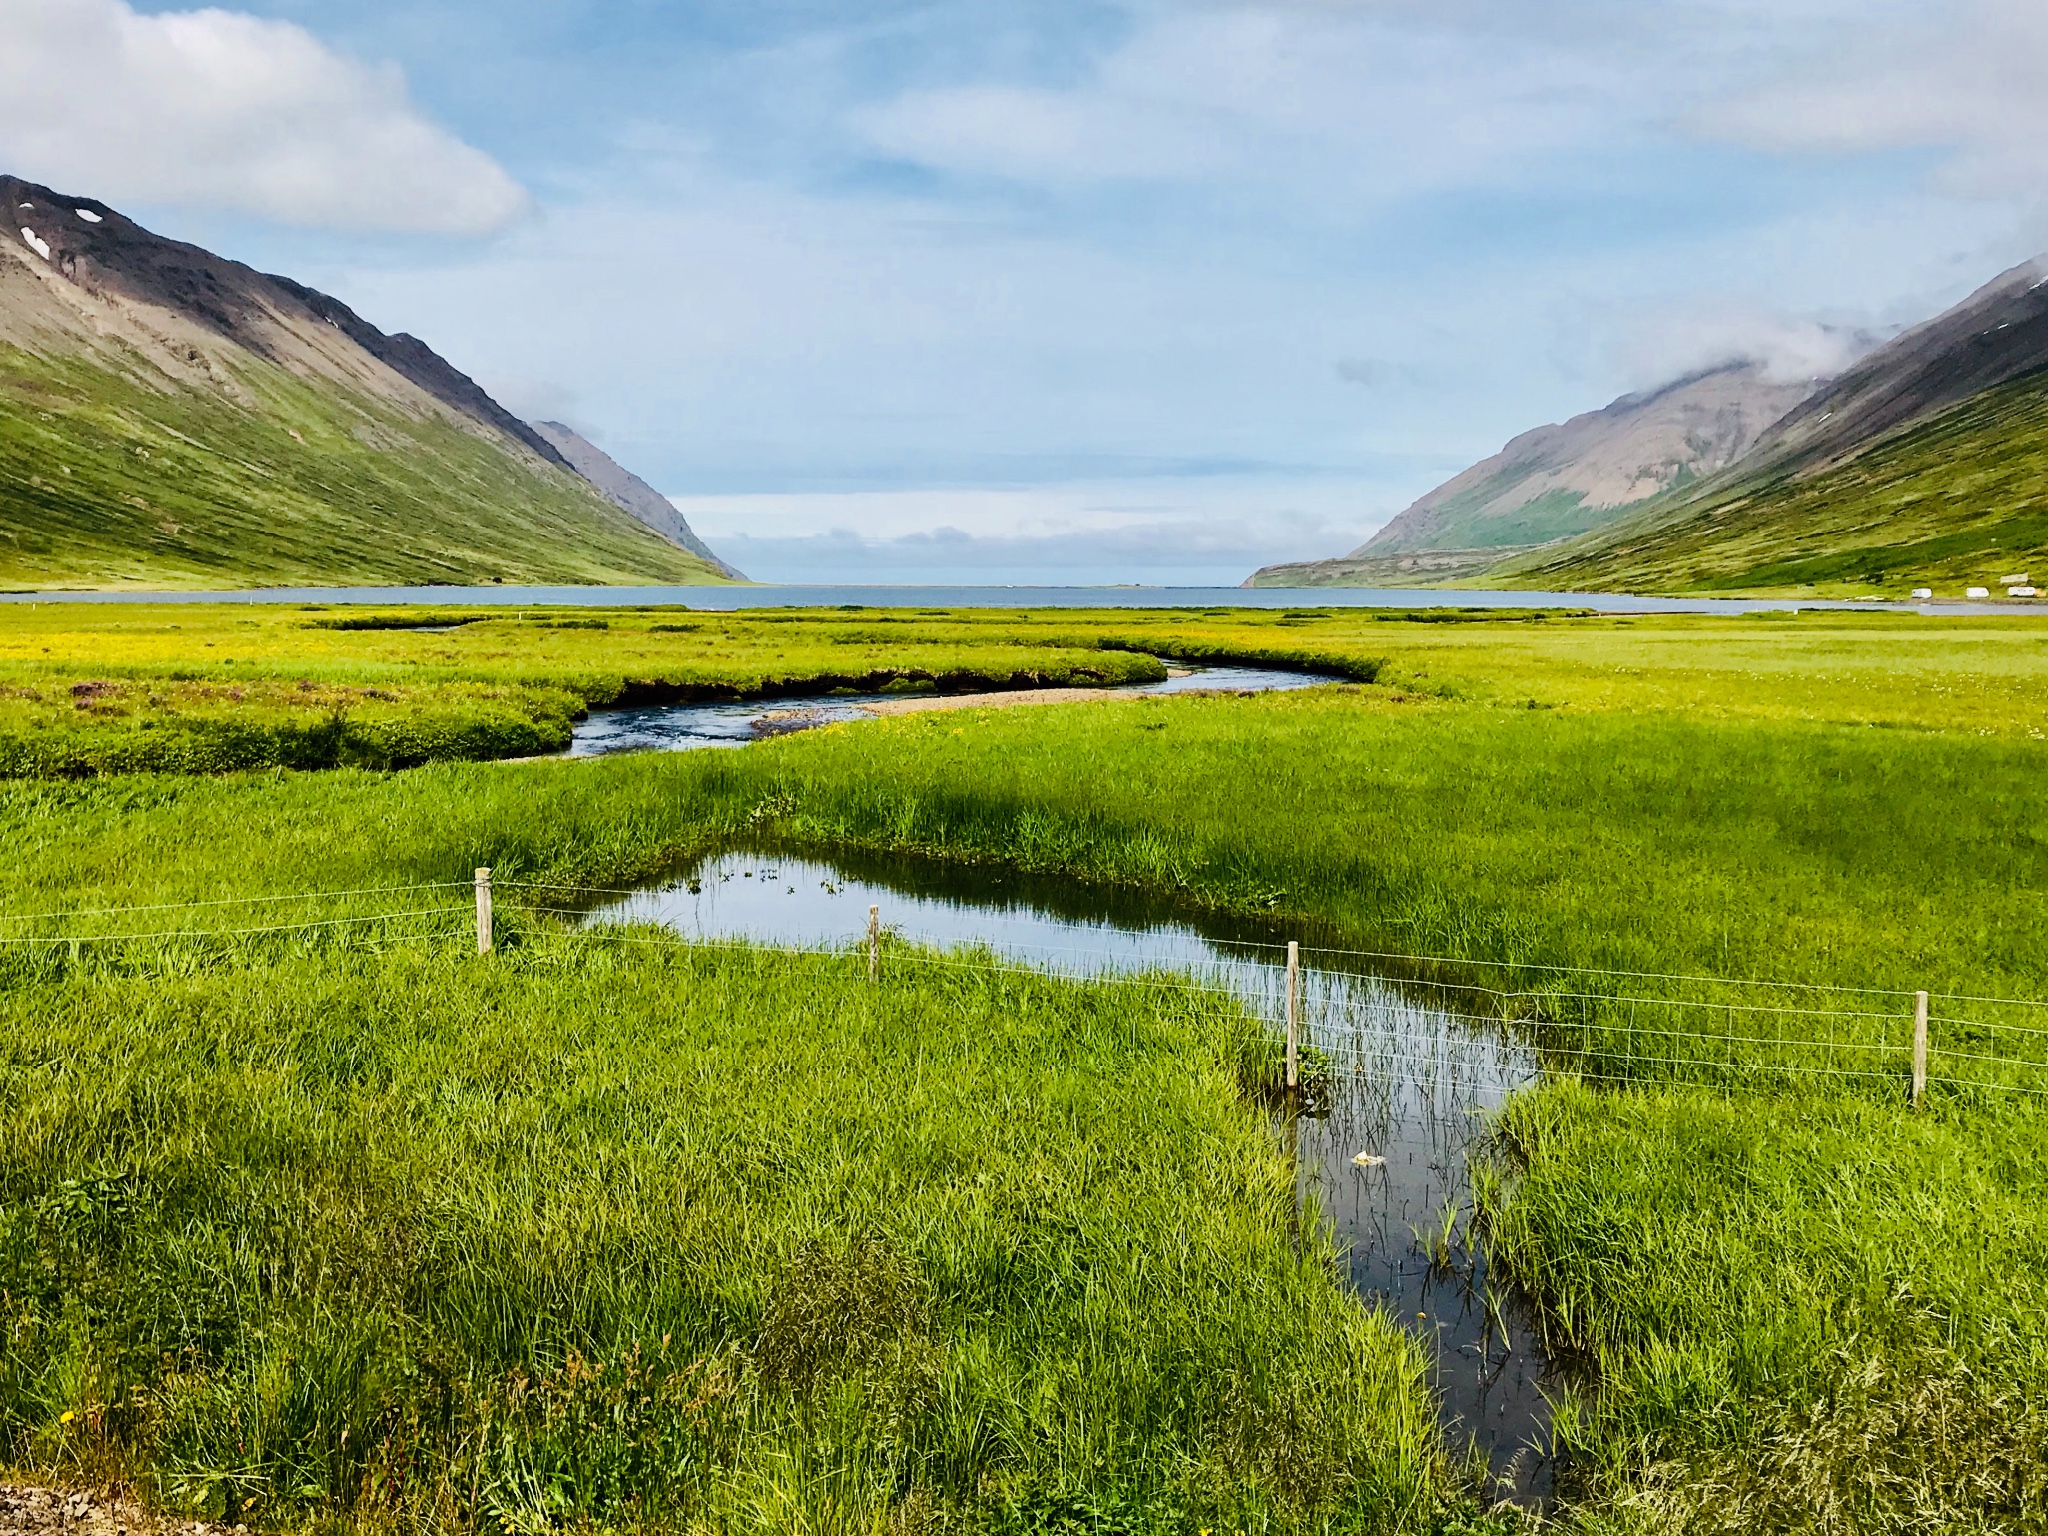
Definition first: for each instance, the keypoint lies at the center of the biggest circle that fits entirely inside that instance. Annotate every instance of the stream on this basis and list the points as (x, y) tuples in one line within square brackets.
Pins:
[(734, 723), (1412, 1083)]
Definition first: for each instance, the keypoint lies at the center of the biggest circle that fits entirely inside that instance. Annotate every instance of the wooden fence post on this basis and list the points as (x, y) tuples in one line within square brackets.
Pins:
[(1293, 1015), (483, 911), (1919, 1046), (874, 943)]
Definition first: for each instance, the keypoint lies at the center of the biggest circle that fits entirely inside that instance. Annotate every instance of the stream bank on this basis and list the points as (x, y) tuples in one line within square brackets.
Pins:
[(683, 727), (1381, 1157)]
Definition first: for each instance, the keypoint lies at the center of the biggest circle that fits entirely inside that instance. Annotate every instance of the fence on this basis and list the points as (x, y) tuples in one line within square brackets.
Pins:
[(1358, 1012)]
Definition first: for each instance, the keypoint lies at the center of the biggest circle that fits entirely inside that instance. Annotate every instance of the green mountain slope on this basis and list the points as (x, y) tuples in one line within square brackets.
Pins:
[(1923, 465), (1557, 481), (1954, 502), (170, 419)]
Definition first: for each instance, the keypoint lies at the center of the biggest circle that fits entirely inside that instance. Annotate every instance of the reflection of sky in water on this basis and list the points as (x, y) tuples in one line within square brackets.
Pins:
[(1412, 1087), (681, 727)]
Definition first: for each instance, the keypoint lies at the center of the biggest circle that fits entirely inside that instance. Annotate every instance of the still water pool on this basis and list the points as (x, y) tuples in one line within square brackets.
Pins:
[(1413, 1082)]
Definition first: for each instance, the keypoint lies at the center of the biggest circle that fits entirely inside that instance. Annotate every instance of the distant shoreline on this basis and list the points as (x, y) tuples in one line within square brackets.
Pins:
[(736, 598)]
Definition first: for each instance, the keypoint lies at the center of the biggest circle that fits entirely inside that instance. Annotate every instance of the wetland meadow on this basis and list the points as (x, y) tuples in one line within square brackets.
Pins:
[(312, 1217)]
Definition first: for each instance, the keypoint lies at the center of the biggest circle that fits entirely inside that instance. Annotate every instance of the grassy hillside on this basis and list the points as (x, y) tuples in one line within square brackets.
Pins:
[(130, 478), (1956, 502), (1470, 522)]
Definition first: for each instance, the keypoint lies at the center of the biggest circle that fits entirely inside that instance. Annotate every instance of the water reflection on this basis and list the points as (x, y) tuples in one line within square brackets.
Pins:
[(734, 723), (1384, 1157)]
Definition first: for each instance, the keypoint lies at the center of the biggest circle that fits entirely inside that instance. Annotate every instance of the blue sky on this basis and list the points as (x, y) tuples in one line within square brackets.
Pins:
[(1152, 291)]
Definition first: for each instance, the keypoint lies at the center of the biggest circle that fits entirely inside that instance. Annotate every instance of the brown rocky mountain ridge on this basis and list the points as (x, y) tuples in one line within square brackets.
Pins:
[(105, 324), (1920, 455), (1565, 479), (273, 317), (1923, 465), (1997, 334), (626, 490)]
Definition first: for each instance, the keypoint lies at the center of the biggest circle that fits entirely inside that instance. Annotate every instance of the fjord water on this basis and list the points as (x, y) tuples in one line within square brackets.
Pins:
[(1412, 1082), (734, 723), (740, 598)]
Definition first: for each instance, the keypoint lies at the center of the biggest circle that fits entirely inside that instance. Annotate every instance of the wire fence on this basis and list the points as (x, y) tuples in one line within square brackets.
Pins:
[(1490, 1023)]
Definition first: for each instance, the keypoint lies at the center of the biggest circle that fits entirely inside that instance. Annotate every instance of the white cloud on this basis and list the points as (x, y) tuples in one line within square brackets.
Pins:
[(1475, 215), (1206, 531), (1971, 79), (1654, 349), (214, 108), (1321, 99)]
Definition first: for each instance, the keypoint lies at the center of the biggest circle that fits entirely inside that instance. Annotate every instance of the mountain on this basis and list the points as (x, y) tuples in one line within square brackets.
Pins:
[(169, 418), (1926, 464), (1997, 334), (627, 491), (1558, 481)]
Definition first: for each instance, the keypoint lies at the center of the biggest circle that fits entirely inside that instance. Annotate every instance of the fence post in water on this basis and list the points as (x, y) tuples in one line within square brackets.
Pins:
[(483, 911), (1293, 1015), (874, 943), (1919, 1046)]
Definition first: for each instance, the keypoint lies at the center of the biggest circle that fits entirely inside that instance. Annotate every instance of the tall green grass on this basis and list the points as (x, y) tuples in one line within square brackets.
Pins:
[(1781, 1278), (634, 1235), (212, 689), (118, 688), (1804, 1312)]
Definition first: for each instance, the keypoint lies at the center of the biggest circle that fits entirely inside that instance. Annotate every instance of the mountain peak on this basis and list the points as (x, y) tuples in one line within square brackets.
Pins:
[(111, 257), (1995, 335), (1583, 473), (626, 490), (169, 417)]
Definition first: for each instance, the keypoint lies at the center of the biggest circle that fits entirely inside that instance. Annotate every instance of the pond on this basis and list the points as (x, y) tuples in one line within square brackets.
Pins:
[(734, 723), (1382, 1160)]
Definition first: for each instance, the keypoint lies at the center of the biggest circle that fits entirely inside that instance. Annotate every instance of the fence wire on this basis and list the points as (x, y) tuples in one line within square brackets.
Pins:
[(1359, 1011)]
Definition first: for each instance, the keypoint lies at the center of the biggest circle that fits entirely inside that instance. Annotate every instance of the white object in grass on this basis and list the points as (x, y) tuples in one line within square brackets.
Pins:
[(1976, 592), (87, 214), (2014, 581), (2023, 592), (1367, 1160), (36, 243), (1923, 591)]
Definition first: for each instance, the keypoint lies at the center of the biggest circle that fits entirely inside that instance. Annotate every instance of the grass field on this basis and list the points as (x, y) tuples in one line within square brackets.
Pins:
[(638, 1235), (103, 688), (1782, 1283), (99, 689)]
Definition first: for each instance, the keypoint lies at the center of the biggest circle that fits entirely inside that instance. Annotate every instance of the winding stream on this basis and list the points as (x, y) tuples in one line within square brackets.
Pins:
[(1411, 1085), (734, 723)]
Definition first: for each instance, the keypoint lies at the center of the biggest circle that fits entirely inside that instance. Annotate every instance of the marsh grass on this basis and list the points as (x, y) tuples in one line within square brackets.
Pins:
[(1776, 1274), (1804, 1312), (209, 689), (630, 1233), (96, 726), (434, 683)]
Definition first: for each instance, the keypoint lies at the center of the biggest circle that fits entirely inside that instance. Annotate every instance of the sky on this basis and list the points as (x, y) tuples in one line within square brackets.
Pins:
[(1086, 291)]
